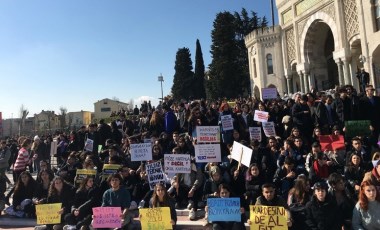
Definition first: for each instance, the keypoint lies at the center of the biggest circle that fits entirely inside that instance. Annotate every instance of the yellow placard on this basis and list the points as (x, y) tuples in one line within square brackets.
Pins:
[(86, 171), (155, 218), (268, 217), (231, 104), (48, 213)]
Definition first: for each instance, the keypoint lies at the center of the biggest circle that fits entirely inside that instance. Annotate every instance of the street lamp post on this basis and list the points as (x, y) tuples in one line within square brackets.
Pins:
[(161, 79)]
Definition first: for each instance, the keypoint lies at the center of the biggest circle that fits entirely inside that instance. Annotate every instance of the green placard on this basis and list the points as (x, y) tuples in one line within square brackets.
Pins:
[(357, 128)]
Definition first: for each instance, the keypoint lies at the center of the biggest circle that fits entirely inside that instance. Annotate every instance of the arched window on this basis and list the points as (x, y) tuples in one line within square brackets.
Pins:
[(254, 68), (376, 13), (269, 64)]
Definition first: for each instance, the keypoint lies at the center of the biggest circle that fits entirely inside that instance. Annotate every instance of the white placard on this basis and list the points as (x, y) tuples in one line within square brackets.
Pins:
[(255, 133), (268, 128), (155, 174), (260, 116), (89, 145), (208, 134), (227, 122), (177, 163), (141, 152), (269, 93), (241, 153), (53, 147), (207, 153)]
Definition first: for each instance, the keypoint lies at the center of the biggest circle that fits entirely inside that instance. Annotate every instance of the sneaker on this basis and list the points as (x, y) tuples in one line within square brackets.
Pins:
[(133, 205), (40, 227), (69, 227), (190, 205), (142, 204), (192, 215)]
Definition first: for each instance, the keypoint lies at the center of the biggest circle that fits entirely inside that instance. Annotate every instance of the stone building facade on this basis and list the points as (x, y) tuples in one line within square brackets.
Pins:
[(318, 44)]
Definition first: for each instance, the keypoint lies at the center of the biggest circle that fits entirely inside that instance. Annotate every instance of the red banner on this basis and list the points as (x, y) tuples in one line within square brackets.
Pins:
[(331, 142)]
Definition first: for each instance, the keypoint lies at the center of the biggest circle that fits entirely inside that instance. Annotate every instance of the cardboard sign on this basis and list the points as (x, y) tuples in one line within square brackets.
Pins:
[(227, 122), (331, 142), (48, 213), (109, 169), (89, 145), (208, 134), (155, 218), (241, 153), (268, 128), (177, 163), (231, 104), (155, 174), (53, 147), (83, 173), (255, 133), (358, 128), (106, 217), (269, 93), (207, 153), (224, 209), (141, 152), (268, 217), (261, 116), (100, 147)]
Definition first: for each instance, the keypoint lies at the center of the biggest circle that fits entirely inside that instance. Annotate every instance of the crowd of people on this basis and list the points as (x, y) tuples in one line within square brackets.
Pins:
[(335, 189)]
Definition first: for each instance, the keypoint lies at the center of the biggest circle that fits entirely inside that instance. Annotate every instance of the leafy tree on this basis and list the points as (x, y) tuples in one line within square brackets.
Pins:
[(183, 77), (199, 73)]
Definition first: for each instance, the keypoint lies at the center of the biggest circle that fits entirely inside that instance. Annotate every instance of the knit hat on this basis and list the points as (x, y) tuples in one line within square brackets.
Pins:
[(36, 138)]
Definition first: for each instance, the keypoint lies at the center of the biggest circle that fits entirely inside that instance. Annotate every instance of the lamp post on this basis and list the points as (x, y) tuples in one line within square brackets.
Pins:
[(161, 79)]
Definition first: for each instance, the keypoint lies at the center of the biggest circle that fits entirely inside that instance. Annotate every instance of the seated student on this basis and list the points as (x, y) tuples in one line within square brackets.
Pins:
[(160, 198), (224, 191), (142, 190), (118, 196), (69, 170), (320, 170), (86, 197), (253, 181), (322, 211), (285, 176), (211, 185), (269, 198), (22, 197), (44, 179)]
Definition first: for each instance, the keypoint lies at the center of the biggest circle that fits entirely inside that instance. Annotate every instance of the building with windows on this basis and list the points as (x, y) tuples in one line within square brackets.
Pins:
[(318, 44), (105, 107), (74, 120)]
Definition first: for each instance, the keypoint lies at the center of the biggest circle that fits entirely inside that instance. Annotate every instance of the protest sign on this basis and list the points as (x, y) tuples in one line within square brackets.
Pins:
[(106, 217), (231, 104), (48, 213), (141, 152), (208, 134), (357, 128), (260, 116), (82, 173), (155, 174), (255, 133), (268, 128), (331, 142), (241, 153), (207, 153), (53, 147), (109, 169), (227, 122), (224, 209), (100, 147), (268, 217), (89, 145), (269, 93), (155, 218), (177, 163)]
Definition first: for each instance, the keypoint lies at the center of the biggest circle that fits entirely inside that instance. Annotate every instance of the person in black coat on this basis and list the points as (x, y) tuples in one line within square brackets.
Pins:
[(322, 211), (369, 107), (363, 78), (302, 116)]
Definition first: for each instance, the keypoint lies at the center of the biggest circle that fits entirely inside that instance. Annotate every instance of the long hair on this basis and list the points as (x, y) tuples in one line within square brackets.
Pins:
[(363, 200), (156, 119), (248, 174), (83, 183), (20, 185), (155, 199), (52, 190), (299, 191), (49, 172)]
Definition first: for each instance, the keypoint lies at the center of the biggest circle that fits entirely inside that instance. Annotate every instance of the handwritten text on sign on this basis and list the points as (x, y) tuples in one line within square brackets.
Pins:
[(227, 122), (269, 129), (155, 174), (48, 213), (268, 217), (106, 217), (155, 218), (177, 163), (141, 152), (255, 133), (260, 116), (210, 134), (207, 153), (224, 209)]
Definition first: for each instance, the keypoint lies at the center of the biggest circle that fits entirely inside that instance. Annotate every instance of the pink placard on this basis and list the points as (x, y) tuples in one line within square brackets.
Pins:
[(106, 217)]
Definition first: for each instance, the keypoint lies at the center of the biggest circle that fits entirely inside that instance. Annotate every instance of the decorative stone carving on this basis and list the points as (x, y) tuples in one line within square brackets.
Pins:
[(301, 25), (304, 5), (351, 18), (329, 10), (290, 45)]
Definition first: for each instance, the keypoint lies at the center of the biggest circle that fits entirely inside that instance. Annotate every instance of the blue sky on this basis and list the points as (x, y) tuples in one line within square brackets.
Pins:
[(72, 53)]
